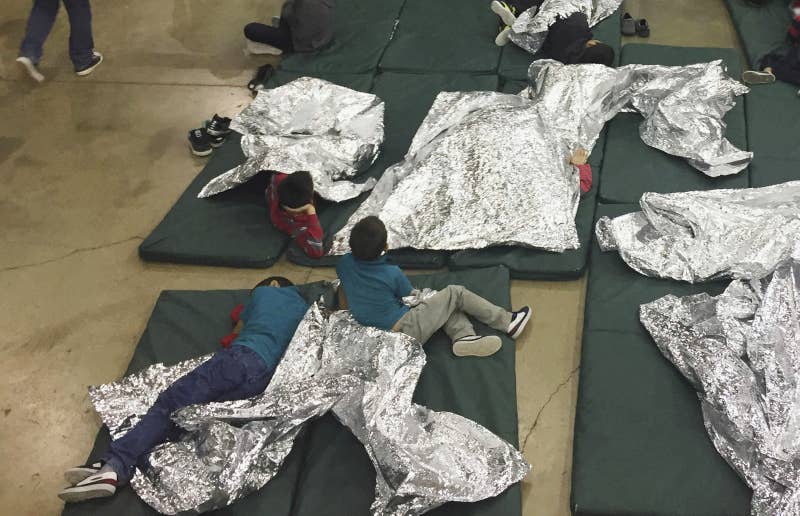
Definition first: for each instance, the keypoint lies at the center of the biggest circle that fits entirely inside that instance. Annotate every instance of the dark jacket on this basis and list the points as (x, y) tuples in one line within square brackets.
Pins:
[(311, 23), (567, 38)]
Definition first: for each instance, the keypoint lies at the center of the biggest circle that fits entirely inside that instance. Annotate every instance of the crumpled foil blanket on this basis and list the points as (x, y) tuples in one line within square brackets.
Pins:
[(741, 352), (365, 376), (530, 29), (488, 168), (701, 236), (309, 124)]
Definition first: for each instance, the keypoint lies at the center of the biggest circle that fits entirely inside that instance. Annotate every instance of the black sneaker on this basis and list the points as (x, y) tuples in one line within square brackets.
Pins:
[(97, 58), (101, 485), (199, 142), (518, 321), (218, 126), (215, 141), (81, 473)]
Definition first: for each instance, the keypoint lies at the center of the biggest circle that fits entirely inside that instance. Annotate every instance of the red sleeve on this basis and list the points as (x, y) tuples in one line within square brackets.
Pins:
[(227, 340), (236, 313), (585, 171), (307, 233), (276, 215)]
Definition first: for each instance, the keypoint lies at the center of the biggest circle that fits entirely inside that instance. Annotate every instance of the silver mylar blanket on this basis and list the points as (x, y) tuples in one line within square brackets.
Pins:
[(366, 376), (308, 124), (530, 29), (700, 236), (488, 168), (741, 352)]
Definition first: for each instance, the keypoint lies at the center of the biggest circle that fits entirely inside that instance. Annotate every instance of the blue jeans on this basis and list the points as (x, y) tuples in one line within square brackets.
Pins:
[(41, 20), (235, 373)]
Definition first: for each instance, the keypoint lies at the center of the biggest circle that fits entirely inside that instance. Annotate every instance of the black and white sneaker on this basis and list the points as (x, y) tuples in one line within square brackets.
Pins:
[(81, 473), (101, 485), (215, 141), (218, 126), (477, 346), (97, 58), (199, 142), (30, 68), (518, 321)]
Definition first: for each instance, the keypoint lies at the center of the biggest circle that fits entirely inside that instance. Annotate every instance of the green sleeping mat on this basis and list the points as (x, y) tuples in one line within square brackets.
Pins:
[(337, 478), (408, 98), (444, 36), (231, 229), (328, 472), (640, 446), (631, 168), (514, 61), (362, 32), (762, 28)]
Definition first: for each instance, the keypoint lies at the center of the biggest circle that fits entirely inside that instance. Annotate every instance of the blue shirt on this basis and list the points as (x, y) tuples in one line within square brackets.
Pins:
[(270, 320), (374, 290)]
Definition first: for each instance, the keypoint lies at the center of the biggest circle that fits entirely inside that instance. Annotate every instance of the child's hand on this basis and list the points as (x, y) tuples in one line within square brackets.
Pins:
[(579, 157)]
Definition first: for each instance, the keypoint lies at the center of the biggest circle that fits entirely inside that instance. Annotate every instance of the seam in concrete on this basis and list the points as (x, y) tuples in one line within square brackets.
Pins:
[(71, 253), (546, 403)]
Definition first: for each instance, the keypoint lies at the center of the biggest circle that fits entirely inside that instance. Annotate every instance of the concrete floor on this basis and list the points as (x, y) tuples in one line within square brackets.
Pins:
[(89, 166)]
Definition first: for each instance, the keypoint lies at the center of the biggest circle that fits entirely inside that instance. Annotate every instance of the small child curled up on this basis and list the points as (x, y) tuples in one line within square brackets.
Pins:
[(373, 291), (291, 210)]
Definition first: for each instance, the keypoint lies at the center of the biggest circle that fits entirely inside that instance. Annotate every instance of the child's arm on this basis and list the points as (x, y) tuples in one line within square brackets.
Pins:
[(579, 158), (307, 232), (403, 286)]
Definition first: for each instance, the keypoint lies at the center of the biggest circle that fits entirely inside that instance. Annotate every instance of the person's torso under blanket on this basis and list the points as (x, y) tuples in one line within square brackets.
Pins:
[(566, 39)]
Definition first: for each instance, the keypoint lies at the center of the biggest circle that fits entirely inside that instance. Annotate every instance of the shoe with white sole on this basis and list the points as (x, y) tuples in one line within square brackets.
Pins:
[(101, 485), (254, 47), (505, 12), (756, 77), (97, 58), (477, 346), (199, 142), (31, 68), (519, 319), (76, 475), (502, 38)]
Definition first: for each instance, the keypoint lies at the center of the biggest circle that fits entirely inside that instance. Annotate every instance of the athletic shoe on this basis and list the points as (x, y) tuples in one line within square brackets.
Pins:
[(215, 141), (477, 346), (199, 142), (101, 485), (518, 321), (254, 47), (756, 77), (504, 11), (97, 58), (218, 126), (502, 39), (31, 68), (81, 473)]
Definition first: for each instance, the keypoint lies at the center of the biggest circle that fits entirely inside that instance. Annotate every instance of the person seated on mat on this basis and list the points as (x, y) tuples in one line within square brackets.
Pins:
[(569, 40), (291, 210), (373, 290), (784, 67), (304, 26), (265, 327)]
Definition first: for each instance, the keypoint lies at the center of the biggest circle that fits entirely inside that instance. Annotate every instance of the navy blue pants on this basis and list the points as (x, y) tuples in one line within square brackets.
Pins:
[(41, 20), (786, 67), (234, 373)]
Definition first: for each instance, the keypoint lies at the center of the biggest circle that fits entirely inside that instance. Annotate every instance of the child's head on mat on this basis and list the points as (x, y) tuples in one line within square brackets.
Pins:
[(597, 52), (273, 281), (368, 239), (296, 190)]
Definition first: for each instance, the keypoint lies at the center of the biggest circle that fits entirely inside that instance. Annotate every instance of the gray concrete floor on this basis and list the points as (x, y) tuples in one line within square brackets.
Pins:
[(89, 166)]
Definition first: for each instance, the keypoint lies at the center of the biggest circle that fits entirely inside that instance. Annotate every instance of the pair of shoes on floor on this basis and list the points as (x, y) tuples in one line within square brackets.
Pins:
[(203, 140), (32, 68), (508, 15), (486, 345), (631, 27), (263, 75), (87, 482)]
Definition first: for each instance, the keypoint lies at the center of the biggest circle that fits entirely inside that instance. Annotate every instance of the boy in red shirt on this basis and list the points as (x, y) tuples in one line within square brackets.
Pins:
[(291, 210)]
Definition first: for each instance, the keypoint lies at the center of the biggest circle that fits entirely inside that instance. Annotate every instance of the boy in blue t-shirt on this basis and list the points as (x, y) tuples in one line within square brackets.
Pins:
[(243, 370), (373, 290)]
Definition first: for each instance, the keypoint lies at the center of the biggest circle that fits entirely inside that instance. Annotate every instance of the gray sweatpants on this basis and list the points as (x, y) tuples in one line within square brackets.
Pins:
[(449, 308)]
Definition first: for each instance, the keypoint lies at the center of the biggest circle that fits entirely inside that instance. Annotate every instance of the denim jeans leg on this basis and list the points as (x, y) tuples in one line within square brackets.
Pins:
[(81, 42), (40, 23)]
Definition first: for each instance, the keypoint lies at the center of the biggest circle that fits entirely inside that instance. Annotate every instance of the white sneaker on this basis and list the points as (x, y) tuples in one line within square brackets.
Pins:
[(253, 47), (477, 346), (502, 39), (76, 475), (503, 12), (756, 77), (101, 485), (518, 321), (30, 68)]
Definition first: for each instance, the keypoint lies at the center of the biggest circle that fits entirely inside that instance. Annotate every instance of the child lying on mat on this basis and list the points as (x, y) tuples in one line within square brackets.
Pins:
[(291, 210), (373, 291), (569, 40), (243, 370), (784, 67), (304, 26)]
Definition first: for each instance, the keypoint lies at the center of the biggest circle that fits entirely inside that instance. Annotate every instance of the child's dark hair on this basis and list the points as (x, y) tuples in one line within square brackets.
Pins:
[(273, 281), (599, 53), (296, 190), (368, 239)]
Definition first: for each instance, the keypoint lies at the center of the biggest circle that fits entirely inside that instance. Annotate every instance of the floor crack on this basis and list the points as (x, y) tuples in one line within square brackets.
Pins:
[(73, 252), (546, 403)]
